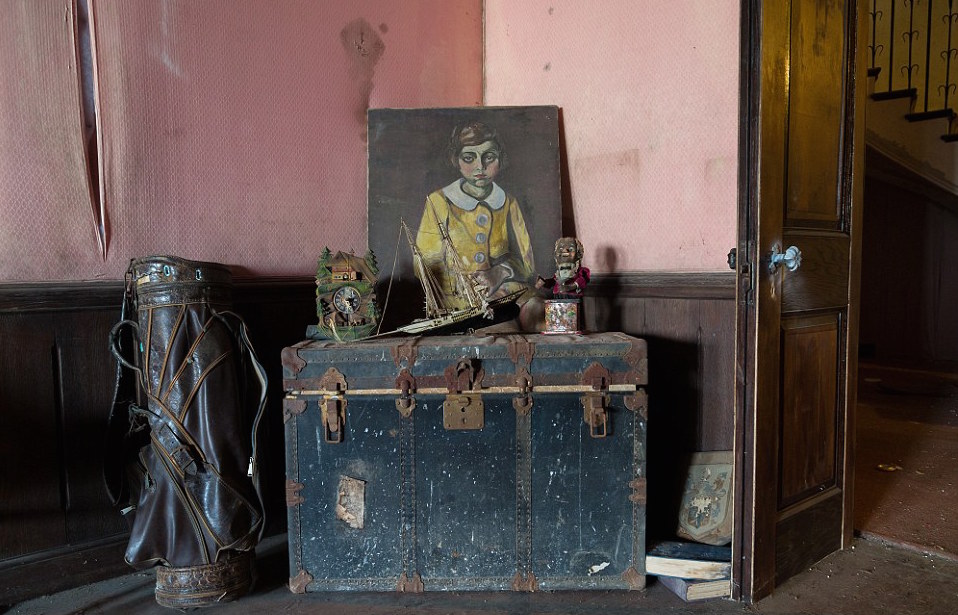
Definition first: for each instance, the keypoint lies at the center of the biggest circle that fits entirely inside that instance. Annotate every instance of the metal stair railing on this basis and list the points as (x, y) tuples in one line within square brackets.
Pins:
[(912, 45)]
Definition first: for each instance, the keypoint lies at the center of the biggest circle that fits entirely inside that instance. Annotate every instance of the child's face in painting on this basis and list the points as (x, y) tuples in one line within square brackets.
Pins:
[(479, 164)]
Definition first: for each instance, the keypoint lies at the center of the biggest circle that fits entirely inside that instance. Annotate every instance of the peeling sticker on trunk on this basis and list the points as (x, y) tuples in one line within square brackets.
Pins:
[(351, 502), (598, 568)]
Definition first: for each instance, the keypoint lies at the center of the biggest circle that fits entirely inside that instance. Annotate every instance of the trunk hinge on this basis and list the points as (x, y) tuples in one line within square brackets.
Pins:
[(521, 351), (520, 347), (404, 354), (594, 402), (463, 408), (333, 405)]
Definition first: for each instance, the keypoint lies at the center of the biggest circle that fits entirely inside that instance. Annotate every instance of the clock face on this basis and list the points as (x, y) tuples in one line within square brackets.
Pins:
[(347, 300)]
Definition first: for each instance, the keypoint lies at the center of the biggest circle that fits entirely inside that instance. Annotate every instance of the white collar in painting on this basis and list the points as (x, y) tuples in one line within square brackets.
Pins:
[(453, 192)]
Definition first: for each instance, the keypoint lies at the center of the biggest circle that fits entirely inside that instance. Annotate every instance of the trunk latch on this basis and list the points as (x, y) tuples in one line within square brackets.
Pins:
[(406, 384), (463, 408), (594, 403), (333, 406)]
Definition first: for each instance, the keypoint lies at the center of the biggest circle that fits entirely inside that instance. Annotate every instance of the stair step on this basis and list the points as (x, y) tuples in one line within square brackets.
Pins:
[(892, 94), (930, 115)]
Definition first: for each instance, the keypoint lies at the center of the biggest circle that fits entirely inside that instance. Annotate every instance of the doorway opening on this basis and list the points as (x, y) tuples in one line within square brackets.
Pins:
[(906, 492)]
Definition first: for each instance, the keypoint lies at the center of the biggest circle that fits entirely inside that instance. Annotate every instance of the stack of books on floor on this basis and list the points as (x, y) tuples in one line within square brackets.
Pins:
[(692, 571)]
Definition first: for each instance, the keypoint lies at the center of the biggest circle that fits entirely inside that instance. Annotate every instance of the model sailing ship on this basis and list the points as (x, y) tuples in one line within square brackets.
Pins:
[(469, 291)]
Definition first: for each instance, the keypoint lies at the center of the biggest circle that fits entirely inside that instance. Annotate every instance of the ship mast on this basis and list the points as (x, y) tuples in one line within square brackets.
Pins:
[(473, 292), (430, 285), (436, 304)]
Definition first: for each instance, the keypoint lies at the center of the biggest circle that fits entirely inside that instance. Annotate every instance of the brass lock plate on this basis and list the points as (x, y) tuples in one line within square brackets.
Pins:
[(463, 411)]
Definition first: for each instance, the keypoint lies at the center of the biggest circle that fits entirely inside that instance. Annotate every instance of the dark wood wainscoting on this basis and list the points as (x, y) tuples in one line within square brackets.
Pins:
[(56, 387), (688, 320), (57, 525), (909, 286)]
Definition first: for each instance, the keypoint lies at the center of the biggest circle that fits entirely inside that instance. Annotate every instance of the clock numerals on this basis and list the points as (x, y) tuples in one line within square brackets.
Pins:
[(347, 300)]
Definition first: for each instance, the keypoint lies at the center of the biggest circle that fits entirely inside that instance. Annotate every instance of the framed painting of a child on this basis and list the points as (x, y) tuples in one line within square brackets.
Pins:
[(488, 177)]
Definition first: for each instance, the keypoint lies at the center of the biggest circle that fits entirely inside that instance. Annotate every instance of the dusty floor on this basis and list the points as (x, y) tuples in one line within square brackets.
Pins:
[(870, 579), (906, 464), (906, 563)]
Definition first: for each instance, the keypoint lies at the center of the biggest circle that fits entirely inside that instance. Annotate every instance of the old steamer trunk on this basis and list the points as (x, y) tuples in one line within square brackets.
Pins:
[(510, 462)]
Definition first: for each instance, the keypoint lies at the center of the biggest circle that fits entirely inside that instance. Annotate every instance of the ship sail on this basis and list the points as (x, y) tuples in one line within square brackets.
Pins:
[(471, 303), (466, 288)]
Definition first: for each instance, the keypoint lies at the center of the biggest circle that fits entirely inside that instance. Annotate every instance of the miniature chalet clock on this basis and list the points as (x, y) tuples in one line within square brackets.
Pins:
[(345, 297)]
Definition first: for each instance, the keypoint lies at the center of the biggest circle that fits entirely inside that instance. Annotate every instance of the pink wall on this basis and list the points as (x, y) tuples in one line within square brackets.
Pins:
[(46, 212), (235, 131), (649, 97)]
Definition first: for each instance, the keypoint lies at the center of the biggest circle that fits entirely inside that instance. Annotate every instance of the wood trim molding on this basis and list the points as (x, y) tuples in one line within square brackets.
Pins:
[(47, 572), (60, 296), (884, 169), (664, 284), (21, 297)]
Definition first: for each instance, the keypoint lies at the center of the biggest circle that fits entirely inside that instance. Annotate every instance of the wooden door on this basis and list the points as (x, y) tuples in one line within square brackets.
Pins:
[(798, 328)]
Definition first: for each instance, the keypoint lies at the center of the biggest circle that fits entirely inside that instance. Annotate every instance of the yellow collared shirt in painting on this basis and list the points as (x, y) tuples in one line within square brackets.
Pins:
[(489, 235)]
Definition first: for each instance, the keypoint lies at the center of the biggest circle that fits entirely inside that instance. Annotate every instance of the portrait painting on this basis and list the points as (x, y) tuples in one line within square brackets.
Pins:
[(475, 190)]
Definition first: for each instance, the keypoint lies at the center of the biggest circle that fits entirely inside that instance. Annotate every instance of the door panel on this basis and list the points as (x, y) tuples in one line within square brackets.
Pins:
[(807, 430), (807, 532), (815, 104), (804, 169), (822, 279)]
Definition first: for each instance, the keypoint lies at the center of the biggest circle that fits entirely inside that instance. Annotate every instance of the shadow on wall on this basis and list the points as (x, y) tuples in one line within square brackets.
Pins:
[(674, 400), (676, 415), (275, 323)]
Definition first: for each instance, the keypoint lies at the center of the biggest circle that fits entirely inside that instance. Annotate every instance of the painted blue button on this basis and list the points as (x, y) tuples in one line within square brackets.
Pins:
[(479, 257), (480, 238), (482, 219)]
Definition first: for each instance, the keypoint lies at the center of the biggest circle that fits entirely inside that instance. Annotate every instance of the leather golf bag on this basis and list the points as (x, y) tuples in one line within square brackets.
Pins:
[(182, 455)]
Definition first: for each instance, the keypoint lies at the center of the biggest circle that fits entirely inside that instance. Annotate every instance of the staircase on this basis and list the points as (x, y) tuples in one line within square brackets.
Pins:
[(914, 54)]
